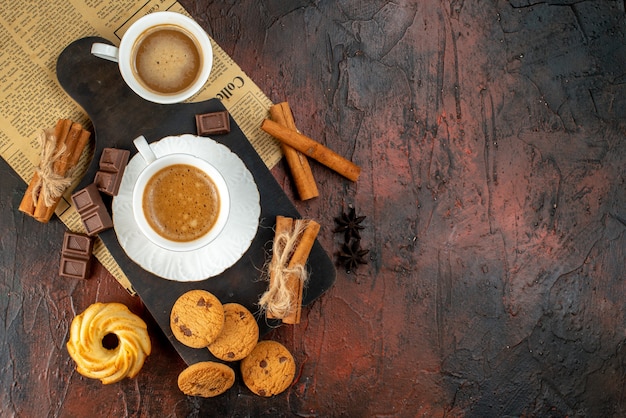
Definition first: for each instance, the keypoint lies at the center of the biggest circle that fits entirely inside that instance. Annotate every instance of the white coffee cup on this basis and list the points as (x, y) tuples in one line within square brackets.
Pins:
[(155, 165), (158, 77)]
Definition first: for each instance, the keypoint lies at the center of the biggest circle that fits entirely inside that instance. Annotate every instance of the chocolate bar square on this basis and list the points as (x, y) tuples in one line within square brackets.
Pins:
[(112, 165), (74, 268), (93, 213), (85, 199), (77, 244), (113, 160), (213, 123), (105, 182), (96, 221), (76, 256)]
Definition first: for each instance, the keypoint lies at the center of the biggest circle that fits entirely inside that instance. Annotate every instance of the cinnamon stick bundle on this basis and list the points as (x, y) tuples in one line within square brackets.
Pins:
[(313, 149), (61, 150), (297, 162), (29, 202), (293, 242)]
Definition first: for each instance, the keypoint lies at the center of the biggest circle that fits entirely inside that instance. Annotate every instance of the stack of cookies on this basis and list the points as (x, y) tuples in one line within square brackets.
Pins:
[(230, 332)]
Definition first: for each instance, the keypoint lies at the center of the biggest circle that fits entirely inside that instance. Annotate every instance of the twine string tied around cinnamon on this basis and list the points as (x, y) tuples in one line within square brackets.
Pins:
[(50, 185), (279, 298)]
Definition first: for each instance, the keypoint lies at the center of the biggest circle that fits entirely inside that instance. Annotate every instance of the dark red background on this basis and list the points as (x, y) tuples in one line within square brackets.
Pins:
[(491, 138)]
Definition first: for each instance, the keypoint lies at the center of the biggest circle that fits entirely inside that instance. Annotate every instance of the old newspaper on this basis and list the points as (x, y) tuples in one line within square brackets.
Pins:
[(31, 99)]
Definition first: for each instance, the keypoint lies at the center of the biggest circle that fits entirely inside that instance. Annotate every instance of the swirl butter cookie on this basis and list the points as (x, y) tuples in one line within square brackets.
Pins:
[(94, 356), (197, 318), (269, 369), (206, 379), (239, 335)]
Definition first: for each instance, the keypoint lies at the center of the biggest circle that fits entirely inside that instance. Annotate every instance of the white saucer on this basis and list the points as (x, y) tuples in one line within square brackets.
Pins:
[(218, 255)]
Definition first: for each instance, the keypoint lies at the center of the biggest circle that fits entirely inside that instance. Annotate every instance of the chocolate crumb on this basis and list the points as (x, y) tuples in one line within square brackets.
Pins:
[(186, 331), (263, 364)]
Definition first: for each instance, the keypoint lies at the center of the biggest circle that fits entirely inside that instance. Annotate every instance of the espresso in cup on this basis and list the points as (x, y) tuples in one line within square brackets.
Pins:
[(164, 57), (167, 59), (181, 203)]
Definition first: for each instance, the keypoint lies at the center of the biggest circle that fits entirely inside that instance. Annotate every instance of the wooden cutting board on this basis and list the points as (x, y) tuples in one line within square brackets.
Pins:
[(118, 116)]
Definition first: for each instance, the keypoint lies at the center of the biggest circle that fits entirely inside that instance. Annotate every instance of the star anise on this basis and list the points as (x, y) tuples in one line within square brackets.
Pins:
[(350, 224), (351, 255)]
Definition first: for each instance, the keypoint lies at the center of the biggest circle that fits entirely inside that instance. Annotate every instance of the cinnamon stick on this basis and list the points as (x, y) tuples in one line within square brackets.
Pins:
[(297, 162), (312, 149), (299, 257), (83, 141), (27, 205), (61, 131), (71, 140)]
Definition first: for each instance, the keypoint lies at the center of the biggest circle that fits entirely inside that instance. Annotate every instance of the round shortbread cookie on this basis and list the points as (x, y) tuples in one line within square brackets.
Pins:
[(239, 335), (206, 379), (269, 369), (197, 318)]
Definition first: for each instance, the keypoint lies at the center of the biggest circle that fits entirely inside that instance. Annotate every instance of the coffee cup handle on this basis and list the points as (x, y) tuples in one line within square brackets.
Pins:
[(105, 51), (144, 149)]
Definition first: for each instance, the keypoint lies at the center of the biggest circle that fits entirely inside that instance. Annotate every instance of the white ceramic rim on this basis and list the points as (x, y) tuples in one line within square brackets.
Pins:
[(153, 168), (159, 18)]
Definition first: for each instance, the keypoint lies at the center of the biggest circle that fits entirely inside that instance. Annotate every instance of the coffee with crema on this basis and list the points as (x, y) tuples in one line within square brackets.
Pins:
[(167, 59), (181, 203)]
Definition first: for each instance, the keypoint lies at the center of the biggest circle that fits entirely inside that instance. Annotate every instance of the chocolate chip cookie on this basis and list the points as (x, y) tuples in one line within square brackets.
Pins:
[(197, 318), (269, 369), (239, 335), (206, 379)]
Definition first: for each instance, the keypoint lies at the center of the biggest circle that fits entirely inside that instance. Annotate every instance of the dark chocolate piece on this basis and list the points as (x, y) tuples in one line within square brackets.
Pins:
[(92, 210), (213, 123), (112, 165), (105, 182), (76, 256)]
